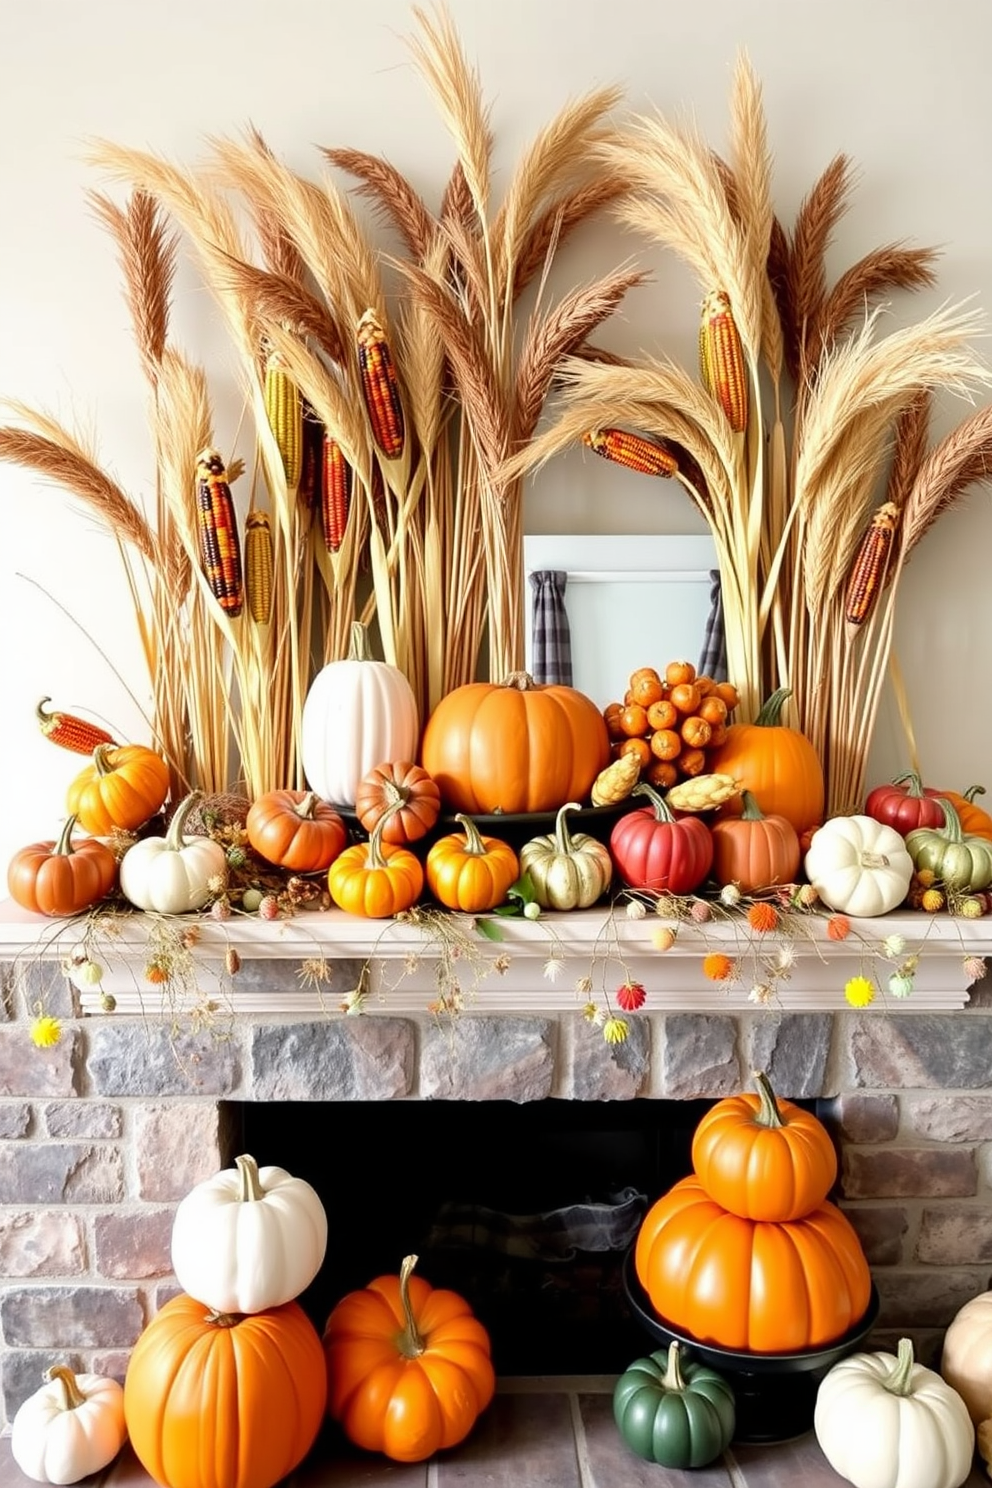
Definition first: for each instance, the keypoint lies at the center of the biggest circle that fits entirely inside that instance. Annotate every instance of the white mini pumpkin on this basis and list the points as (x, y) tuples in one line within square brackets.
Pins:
[(358, 713), (568, 871), (859, 866), (249, 1238), (966, 1361), (172, 874), (887, 1422), (71, 1427)]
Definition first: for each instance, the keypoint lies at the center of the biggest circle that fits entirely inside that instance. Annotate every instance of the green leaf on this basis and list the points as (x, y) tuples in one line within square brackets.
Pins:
[(489, 929)]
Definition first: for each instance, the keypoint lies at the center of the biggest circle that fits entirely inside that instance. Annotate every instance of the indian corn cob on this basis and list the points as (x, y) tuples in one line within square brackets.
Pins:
[(284, 410), (380, 387), (70, 732), (220, 554), (308, 491), (258, 566), (721, 359), (632, 450), (335, 494), (869, 565)]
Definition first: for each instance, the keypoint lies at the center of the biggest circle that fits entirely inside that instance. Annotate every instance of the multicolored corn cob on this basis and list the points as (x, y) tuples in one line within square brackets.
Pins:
[(632, 450), (284, 410), (70, 732), (335, 501), (258, 566), (869, 565), (380, 387), (220, 554), (721, 359)]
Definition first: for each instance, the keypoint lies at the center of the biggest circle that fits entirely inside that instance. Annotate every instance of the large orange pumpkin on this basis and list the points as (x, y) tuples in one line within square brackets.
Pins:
[(514, 747), (215, 1400), (777, 764), (751, 1285), (763, 1158), (408, 1366), (123, 787)]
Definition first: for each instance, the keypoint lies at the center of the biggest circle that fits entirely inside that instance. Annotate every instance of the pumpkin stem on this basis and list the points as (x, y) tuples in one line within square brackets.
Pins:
[(973, 791), (251, 1188), (770, 713), (900, 1380), (223, 1319), (661, 808), (750, 810), (100, 761), (522, 681), (174, 838), (563, 837), (673, 1380), (769, 1112), (73, 1396), (305, 808), (359, 648), (952, 822), (474, 844), (375, 857), (410, 1342), (873, 860), (395, 794), (914, 788), (64, 847)]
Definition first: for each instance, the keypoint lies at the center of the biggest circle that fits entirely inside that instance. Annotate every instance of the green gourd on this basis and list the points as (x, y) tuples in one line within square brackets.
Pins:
[(567, 871), (675, 1412), (958, 859)]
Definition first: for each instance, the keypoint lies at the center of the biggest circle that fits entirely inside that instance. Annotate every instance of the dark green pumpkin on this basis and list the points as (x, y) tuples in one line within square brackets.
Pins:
[(674, 1412), (958, 859)]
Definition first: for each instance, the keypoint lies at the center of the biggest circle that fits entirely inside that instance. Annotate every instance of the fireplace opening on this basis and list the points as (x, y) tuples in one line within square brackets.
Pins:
[(525, 1210)]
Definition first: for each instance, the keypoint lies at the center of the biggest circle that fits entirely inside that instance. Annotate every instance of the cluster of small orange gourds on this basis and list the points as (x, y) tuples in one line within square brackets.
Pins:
[(673, 722)]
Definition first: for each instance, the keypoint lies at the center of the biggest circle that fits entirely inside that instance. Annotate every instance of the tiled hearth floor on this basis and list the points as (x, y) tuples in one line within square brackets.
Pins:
[(551, 1433)]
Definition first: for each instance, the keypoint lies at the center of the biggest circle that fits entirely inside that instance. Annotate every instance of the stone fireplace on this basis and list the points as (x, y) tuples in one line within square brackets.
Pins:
[(103, 1133)]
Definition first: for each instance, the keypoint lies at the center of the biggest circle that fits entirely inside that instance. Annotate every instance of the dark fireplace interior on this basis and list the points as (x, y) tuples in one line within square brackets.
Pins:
[(527, 1211)]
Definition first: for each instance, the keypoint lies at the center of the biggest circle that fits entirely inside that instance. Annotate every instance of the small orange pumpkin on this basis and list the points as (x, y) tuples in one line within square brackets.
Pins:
[(296, 830), (408, 787), (64, 877), (471, 872), (375, 881), (123, 787), (408, 1367), (755, 851)]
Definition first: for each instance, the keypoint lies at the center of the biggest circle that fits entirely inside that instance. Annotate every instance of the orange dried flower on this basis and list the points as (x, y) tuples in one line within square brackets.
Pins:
[(838, 927), (763, 917), (717, 966), (156, 973)]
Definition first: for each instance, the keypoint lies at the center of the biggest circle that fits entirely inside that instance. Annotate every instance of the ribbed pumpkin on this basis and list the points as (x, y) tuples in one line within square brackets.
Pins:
[(655, 851), (224, 1401), (751, 1285), (64, 877), (357, 713), (974, 819), (777, 764), (296, 830), (514, 746), (123, 787), (567, 870), (754, 850), (674, 1410), (763, 1158), (468, 871), (904, 804), (374, 880), (409, 788)]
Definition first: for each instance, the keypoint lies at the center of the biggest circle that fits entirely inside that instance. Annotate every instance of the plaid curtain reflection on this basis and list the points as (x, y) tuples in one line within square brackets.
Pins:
[(552, 640)]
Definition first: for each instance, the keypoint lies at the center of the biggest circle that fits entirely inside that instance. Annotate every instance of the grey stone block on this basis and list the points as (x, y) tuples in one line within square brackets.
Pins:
[(928, 1051), (15, 1119), (880, 1228), (699, 1056), (44, 1242), (96, 1120), (60, 1172), (863, 1118), (175, 1147), (55, 1317), (362, 1058), (28, 1070), (955, 1235), (479, 1058), (133, 1246), (600, 1071), (908, 1172), (44, 983), (792, 1049), (138, 1058), (925, 1296), (951, 1118)]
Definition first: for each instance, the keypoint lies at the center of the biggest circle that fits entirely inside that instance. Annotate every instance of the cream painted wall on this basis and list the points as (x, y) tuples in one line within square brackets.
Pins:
[(900, 87)]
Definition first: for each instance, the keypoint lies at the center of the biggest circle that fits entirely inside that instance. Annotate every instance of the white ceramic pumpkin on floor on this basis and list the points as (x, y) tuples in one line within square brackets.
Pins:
[(71, 1427), (884, 1421)]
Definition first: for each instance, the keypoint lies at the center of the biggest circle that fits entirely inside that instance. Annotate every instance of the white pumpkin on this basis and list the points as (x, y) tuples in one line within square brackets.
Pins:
[(358, 713), (249, 1238), (172, 874), (71, 1427), (966, 1361), (886, 1422), (859, 866)]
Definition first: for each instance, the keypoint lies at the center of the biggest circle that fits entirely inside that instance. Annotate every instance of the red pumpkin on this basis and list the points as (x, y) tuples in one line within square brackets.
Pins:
[(214, 1400), (904, 804), (514, 747), (64, 877), (657, 851), (751, 1285), (763, 1158), (296, 830), (777, 764), (408, 1367), (409, 789)]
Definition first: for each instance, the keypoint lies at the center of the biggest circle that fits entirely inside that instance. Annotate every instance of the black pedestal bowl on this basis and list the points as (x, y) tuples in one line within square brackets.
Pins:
[(775, 1393)]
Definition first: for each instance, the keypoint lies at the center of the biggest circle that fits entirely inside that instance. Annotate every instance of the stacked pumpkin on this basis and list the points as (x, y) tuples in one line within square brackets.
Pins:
[(748, 1254), (226, 1387)]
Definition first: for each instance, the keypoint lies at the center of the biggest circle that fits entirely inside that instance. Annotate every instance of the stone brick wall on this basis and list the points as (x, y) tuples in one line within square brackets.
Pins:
[(101, 1135)]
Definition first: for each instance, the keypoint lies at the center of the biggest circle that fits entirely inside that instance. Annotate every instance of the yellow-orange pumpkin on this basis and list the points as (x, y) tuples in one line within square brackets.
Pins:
[(777, 764), (514, 746), (123, 787)]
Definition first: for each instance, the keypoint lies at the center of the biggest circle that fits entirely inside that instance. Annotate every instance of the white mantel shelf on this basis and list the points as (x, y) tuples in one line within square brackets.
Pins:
[(598, 943)]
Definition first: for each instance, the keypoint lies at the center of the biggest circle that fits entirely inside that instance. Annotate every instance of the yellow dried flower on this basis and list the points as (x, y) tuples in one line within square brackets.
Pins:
[(932, 900), (615, 1030), (859, 992), (663, 939), (45, 1032), (593, 1014)]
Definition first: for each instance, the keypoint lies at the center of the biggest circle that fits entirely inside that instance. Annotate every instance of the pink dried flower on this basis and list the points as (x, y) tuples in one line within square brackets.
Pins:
[(268, 909), (974, 968), (701, 911), (220, 910)]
